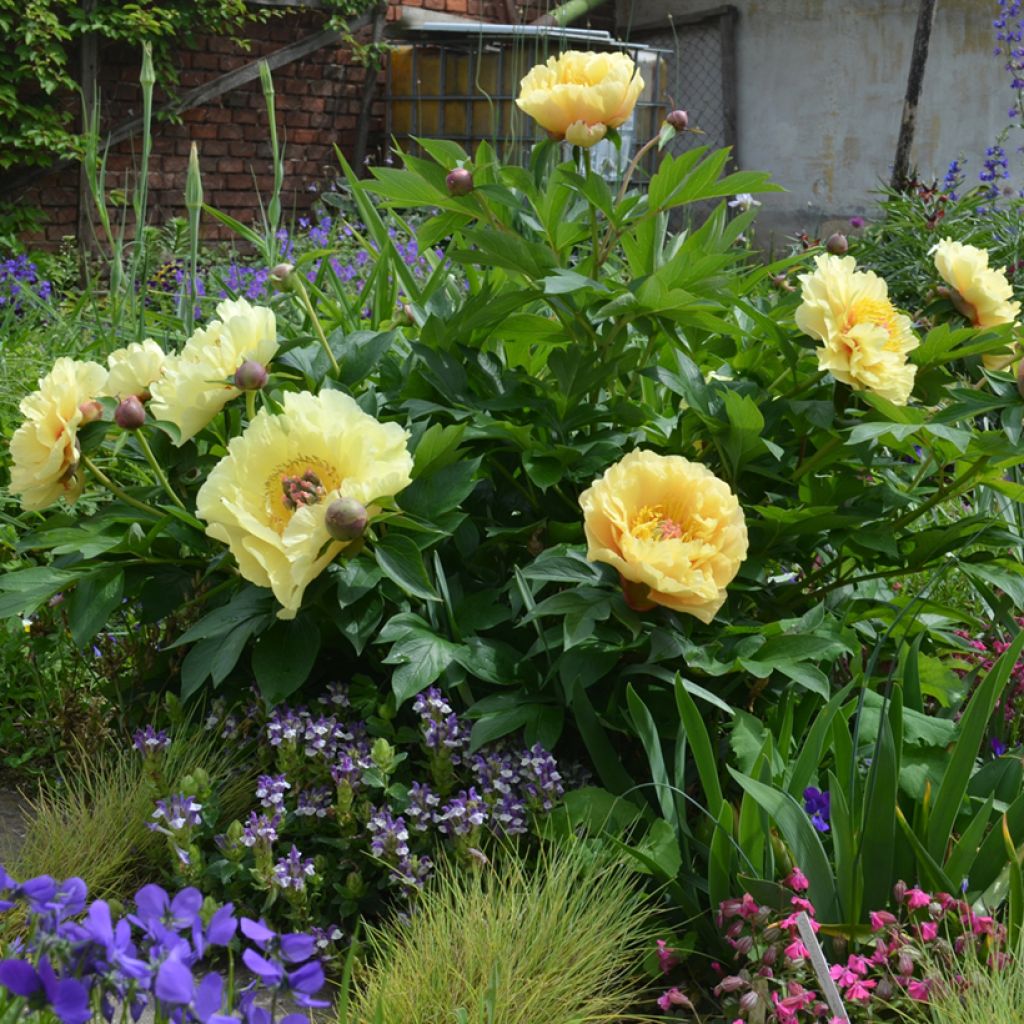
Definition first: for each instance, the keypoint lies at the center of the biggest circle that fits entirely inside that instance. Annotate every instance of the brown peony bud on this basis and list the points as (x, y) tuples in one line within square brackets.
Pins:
[(129, 414), (459, 182), (837, 244), (91, 410), (678, 119), (251, 376), (281, 277), (345, 519)]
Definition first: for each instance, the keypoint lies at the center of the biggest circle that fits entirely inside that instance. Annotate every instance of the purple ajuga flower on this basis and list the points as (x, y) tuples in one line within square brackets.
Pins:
[(423, 804), (389, 837), (270, 791), (463, 814), (319, 735), (260, 828), (292, 871), (817, 805), (441, 727), (315, 802), (508, 815), (148, 741), (285, 726), (178, 813), (496, 772), (336, 695), (541, 779), (348, 771)]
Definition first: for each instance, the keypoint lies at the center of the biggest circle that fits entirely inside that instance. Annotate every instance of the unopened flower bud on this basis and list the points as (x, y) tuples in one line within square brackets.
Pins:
[(281, 277), (129, 414), (91, 410), (679, 119), (749, 1001), (251, 376), (837, 244), (345, 519), (459, 182)]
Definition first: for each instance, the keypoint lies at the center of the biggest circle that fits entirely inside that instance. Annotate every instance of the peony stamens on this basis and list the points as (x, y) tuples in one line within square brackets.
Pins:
[(302, 490)]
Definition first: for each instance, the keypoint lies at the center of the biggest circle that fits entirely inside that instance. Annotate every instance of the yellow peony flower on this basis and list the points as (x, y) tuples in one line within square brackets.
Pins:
[(44, 449), (580, 96), (673, 530), (865, 340), (196, 384), (267, 498), (981, 293), (134, 369)]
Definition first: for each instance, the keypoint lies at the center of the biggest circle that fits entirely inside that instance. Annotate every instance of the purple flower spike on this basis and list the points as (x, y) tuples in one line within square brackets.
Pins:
[(817, 804)]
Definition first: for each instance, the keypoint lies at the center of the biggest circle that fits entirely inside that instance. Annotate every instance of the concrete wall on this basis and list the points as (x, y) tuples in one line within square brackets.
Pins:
[(820, 87)]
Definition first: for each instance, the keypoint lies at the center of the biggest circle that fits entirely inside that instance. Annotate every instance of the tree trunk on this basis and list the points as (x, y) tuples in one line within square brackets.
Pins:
[(918, 58)]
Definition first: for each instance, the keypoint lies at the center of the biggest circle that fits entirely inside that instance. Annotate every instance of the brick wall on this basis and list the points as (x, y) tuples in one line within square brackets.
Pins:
[(318, 100)]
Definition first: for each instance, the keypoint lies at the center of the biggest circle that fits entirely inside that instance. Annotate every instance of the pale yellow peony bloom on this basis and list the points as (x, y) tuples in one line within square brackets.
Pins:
[(983, 294), (579, 96), (134, 369), (266, 499), (196, 384), (673, 530), (865, 340), (44, 449)]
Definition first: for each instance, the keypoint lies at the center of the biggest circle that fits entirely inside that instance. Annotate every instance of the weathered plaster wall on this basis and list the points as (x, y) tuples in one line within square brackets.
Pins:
[(820, 87)]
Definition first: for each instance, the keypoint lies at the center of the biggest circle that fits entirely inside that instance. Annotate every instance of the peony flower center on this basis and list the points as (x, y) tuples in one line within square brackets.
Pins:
[(879, 312), (651, 524), (303, 481)]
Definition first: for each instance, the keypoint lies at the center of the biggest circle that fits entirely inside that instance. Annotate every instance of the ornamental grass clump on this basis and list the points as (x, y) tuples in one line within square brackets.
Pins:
[(557, 942)]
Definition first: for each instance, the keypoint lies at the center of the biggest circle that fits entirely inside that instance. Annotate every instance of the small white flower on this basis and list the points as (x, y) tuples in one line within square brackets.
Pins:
[(744, 201)]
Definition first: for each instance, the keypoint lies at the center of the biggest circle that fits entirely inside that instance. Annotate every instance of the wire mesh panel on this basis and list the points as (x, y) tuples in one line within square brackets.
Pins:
[(464, 90)]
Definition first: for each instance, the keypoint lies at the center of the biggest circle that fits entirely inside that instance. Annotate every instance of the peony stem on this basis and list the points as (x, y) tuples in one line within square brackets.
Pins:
[(300, 289), (250, 405), (115, 490), (155, 466)]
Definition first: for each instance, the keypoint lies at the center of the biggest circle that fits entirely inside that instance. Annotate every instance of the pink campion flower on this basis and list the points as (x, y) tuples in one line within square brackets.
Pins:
[(667, 958), (797, 880), (881, 919), (917, 898), (748, 907), (859, 991), (796, 950), (673, 997), (858, 964), (801, 904), (928, 930), (920, 989), (842, 976)]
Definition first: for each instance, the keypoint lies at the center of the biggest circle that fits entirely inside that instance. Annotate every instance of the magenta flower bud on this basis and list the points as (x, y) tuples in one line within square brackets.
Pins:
[(281, 277), (905, 964), (345, 519), (743, 945), (733, 983), (459, 182), (678, 119), (837, 244), (749, 1001), (129, 414), (251, 376), (899, 890)]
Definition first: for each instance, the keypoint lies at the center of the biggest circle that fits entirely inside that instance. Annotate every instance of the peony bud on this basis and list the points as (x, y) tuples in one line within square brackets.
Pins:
[(345, 519), (251, 376), (129, 414), (91, 410), (459, 182), (281, 277), (837, 244), (678, 119)]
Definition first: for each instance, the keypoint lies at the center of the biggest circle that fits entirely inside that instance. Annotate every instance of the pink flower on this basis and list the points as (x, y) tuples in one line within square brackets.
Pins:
[(841, 976), (928, 930), (859, 991), (796, 950), (916, 899), (667, 958), (673, 997), (858, 964), (919, 990), (797, 880), (805, 905), (881, 919)]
